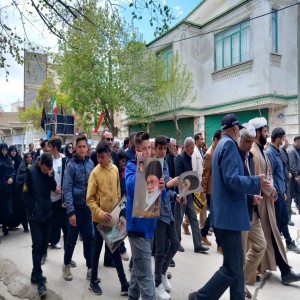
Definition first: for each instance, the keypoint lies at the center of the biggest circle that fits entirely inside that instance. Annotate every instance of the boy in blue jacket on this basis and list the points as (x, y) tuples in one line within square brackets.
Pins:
[(140, 230)]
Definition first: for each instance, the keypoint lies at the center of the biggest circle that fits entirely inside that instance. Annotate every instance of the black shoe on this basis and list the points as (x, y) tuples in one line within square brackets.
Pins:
[(192, 296), (290, 277), (42, 290), (95, 288), (169, 275), (258, 279), (124, 289), (292, 247), (291, 223), (172, 264), (109, 264), (44, 257), (201, 249), (34, 280), (180, 249)]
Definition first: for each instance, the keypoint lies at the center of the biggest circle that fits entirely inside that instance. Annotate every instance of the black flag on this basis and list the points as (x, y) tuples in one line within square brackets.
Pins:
[(43, 118)]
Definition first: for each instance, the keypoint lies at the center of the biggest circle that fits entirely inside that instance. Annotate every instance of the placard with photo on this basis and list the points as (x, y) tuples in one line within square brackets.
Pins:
[(115, 232), (147, 196), (189, 183)]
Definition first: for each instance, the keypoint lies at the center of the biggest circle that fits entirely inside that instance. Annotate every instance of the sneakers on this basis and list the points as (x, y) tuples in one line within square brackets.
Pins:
[(169, 275), (290, 277), (89, 274), (124, 289), (125, 256), (42, 290), (166, 283), (172, 264), (180, 249), (292, 247), (73, 264), (95, 288), (57, 246), (205, 241), (44, 257), (34, 280), (161, 293), (67, 272)]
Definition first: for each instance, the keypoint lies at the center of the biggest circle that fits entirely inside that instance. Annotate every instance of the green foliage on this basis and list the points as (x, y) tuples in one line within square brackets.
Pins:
[(107, 72), (59, 17)]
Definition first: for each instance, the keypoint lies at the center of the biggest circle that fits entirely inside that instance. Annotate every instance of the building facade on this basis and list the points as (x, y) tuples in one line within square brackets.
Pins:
[(243, 58)]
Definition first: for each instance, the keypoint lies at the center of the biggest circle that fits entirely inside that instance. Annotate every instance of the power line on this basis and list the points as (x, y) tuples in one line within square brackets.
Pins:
[(223, 28)]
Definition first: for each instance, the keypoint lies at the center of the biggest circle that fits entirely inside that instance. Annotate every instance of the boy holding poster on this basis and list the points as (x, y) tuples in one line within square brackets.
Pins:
[(165, 227), (102, 196), (140, 230)]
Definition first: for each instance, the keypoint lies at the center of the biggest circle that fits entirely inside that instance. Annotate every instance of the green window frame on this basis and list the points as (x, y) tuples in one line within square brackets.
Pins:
[(166, 55), (232, 46), (274, 31)]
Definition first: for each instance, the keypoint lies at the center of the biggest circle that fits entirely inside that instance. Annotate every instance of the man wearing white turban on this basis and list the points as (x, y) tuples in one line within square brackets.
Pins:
[(275, 254)]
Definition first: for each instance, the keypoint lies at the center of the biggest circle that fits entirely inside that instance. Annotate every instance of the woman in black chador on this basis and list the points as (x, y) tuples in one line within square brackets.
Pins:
[(7, 177), (26, 162)]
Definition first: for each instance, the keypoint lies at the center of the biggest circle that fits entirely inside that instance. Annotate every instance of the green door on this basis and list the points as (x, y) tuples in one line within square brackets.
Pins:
[(213, 122), (168, 128)]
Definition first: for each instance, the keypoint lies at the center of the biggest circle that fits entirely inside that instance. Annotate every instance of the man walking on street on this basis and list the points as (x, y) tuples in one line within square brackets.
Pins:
[(80, 220), (229, 213), (39, 182)]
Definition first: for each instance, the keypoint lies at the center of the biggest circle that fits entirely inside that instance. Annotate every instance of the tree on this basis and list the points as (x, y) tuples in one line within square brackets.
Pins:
[(176, 89), (58, 16), (32, 114), (104, 73)]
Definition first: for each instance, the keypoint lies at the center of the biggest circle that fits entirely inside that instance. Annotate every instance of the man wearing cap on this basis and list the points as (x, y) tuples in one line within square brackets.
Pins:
[(229, 212), (279, 179), (275, 254), (294, 157), (254, 240)]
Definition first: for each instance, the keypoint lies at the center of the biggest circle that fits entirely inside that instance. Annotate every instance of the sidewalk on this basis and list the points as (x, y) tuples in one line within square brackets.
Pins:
[(191, 272)]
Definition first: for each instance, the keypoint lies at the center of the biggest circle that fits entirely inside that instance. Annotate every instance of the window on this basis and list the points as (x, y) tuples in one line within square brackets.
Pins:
[(166, 55), (232, 46), (274, 31)]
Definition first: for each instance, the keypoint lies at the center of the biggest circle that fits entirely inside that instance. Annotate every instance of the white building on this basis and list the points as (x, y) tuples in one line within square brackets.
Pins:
[(243, 59)]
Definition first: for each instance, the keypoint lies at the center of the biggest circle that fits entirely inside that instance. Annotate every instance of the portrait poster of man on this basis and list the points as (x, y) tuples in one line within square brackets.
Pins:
[(189, 183), (147, 196), (115, 232)]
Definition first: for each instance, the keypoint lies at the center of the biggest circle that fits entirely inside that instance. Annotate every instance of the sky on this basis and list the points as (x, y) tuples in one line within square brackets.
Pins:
[(12, 89)]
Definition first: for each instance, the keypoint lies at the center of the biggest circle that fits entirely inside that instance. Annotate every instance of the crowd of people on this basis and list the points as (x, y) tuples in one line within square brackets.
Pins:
[(248, 185)]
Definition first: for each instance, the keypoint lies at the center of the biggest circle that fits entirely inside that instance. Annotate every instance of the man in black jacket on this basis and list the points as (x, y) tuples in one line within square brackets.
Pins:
[(39, 182), (183, 163)]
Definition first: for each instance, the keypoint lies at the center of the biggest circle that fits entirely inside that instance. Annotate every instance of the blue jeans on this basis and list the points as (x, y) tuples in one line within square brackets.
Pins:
[(84, 226), (282, 217), (141, 282), (231, 273), (116, 256)]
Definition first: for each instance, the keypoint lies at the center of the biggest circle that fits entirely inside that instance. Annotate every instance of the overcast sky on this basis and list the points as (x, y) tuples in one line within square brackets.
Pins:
[(13, 90)]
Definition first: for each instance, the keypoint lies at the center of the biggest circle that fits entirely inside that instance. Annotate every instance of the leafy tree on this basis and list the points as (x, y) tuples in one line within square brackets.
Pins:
[(58, 16), (107, 72), (176, 90)]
